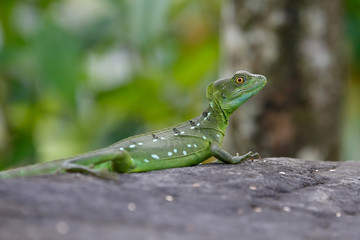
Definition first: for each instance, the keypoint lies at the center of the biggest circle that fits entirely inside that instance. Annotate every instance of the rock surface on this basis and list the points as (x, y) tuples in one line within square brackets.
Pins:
[(278, 198)]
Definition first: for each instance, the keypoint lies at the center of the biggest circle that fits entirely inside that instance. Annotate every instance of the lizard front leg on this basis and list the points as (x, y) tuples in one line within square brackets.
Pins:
[(226, 157)]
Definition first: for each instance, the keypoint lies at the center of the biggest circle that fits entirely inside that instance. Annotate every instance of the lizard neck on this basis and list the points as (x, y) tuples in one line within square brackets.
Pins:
[(213, 118)]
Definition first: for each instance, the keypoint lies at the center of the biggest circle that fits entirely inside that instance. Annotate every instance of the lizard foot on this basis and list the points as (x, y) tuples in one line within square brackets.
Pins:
[(250, 155)]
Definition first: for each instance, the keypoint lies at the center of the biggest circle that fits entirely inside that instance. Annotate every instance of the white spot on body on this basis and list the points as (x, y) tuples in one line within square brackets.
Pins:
[(155, 156), (121, 149), (182, 132), (192, 127), (184, 152), (189, 145), (198, 124), (218, 135), (175, 150), (195, 146), (132, 146), (155, 140), (140, 143), (170, 154), (283, 173), (204, 137), (162, 138), (145, 160)]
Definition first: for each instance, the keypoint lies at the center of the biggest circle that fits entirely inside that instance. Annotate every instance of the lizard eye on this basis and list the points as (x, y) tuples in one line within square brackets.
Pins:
[(240, 79)]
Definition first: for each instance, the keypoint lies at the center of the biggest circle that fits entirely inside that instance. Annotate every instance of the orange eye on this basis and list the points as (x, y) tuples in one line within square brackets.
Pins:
[(240, 79)]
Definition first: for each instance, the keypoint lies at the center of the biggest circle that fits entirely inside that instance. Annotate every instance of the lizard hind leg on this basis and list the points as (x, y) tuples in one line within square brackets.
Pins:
[(100, 164), (101, 173), (123, 163)]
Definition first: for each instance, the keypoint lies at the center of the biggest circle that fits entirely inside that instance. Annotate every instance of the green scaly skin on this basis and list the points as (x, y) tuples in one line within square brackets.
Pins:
[(186, 144)]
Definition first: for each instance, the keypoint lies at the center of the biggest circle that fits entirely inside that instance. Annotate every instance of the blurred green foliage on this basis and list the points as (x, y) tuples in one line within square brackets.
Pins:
[(77, 75)]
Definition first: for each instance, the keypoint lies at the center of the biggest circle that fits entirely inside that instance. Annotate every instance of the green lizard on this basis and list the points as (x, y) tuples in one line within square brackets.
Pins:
[(186, 144)]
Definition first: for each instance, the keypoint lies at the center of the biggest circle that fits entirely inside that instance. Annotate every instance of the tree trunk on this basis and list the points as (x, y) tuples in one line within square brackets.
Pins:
[(297, 46)]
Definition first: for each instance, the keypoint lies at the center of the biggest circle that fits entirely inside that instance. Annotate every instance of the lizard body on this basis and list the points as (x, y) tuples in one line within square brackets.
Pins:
[(185, 144)]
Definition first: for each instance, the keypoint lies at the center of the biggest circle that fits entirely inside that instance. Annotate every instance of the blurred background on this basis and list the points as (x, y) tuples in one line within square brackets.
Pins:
[(77, 75)]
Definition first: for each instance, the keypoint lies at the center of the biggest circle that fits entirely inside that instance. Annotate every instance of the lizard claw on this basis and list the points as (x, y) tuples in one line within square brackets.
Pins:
[(254, 155)]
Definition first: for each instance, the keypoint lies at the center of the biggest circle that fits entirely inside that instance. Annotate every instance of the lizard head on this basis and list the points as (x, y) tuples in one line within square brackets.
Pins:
[(230, 93)]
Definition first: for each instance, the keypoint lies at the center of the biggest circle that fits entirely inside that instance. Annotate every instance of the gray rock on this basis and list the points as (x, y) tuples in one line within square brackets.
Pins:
[(278, 198)]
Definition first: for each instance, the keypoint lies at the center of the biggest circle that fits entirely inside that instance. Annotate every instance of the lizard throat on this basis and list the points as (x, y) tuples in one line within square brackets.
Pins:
[(222, 117)]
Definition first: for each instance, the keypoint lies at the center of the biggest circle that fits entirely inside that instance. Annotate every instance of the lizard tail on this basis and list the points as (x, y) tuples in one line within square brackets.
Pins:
[(81, 161), (32, 170)]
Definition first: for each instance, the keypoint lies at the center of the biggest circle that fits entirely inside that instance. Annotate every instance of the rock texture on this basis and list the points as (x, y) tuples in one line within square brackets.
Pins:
[(278, 198)]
